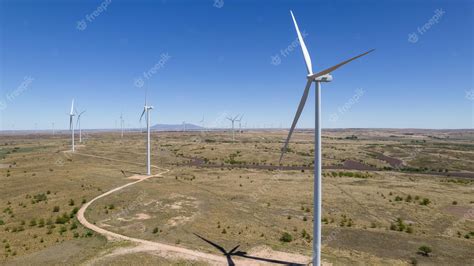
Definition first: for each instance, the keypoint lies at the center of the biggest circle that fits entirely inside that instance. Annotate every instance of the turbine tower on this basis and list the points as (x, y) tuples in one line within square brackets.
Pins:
[(121, 125), (232, 119), (78, 123), (147, 109), (322, 76), (202, 123), (71, 124), (240, 123)]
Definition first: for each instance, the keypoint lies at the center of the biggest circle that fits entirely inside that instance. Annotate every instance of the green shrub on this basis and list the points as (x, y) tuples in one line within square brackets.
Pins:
[(286, 237), (155, 230), (56, 209), (424, 250), (33, 222), (73, 226), (62, 229), (425, 202), (71, 202), (41, 222)]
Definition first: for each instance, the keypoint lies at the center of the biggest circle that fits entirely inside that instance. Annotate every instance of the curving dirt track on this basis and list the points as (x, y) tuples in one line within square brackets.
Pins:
[(165, 250)]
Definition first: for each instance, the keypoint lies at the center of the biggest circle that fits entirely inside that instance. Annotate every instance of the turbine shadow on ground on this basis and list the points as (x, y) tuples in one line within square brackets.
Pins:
[(243, 254)]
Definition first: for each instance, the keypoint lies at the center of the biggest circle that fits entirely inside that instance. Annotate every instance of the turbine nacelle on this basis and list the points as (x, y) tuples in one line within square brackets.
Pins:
[(323, 78)]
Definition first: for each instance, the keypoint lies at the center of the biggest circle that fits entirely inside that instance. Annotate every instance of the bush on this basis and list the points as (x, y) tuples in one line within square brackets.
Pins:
[(424, 250), (2, 222), (41, 222), (33, 222), (62, 229), (73, 226), (286, 237), (425, 202), (455, 203), (155, 230), (56, 209), (71, 202)]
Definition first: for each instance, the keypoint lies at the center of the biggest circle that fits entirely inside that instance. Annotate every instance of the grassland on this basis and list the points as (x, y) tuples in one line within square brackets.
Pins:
[(385, 194)]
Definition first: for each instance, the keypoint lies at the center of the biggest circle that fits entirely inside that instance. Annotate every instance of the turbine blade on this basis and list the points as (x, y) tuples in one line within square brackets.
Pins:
[(297, 116), (331, 69), (144, 110), (146, 96), (72, 107), (307, 58)]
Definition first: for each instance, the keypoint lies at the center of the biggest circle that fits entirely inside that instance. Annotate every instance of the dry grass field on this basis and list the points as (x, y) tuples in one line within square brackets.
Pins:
[(386, 193)]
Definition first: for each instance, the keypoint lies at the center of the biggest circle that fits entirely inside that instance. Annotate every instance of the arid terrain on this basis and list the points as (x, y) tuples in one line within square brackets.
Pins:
[(386, 193)]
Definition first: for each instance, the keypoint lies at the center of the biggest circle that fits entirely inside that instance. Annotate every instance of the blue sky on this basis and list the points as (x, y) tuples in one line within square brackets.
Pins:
[(220, 62)]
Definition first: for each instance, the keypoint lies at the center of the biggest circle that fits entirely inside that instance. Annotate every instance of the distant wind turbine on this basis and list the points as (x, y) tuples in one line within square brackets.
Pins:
[(323, 76), (121, 125), (240, 123), (202, 123), (71, 124), (147, 109), (233, 119)]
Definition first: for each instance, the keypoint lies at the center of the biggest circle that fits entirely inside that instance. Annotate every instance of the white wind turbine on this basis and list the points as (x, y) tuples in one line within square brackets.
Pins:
[(71, 123), (322, 76), (202, 123), (121, 125), (233, 119), (147, 109), (78, 123), (240, 123)]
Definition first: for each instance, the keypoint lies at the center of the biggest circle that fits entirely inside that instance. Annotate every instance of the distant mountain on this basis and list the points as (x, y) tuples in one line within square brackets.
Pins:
[(178, 127)]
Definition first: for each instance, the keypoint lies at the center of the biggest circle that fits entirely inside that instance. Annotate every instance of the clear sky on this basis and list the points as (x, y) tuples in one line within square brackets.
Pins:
[(214, 58)]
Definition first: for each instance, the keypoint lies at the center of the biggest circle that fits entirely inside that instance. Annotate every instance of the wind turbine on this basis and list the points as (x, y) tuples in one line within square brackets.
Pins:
[(232, 119), (71, 123), (78, 123), (240, 123), (121, 125), (202, 123), (322, 76), (147, 109)]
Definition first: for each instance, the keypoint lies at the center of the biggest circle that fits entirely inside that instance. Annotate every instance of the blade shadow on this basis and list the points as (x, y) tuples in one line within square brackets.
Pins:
[(243, 254)]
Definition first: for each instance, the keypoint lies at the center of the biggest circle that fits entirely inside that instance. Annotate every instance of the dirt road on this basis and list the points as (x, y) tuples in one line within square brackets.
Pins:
[(164, 250)]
